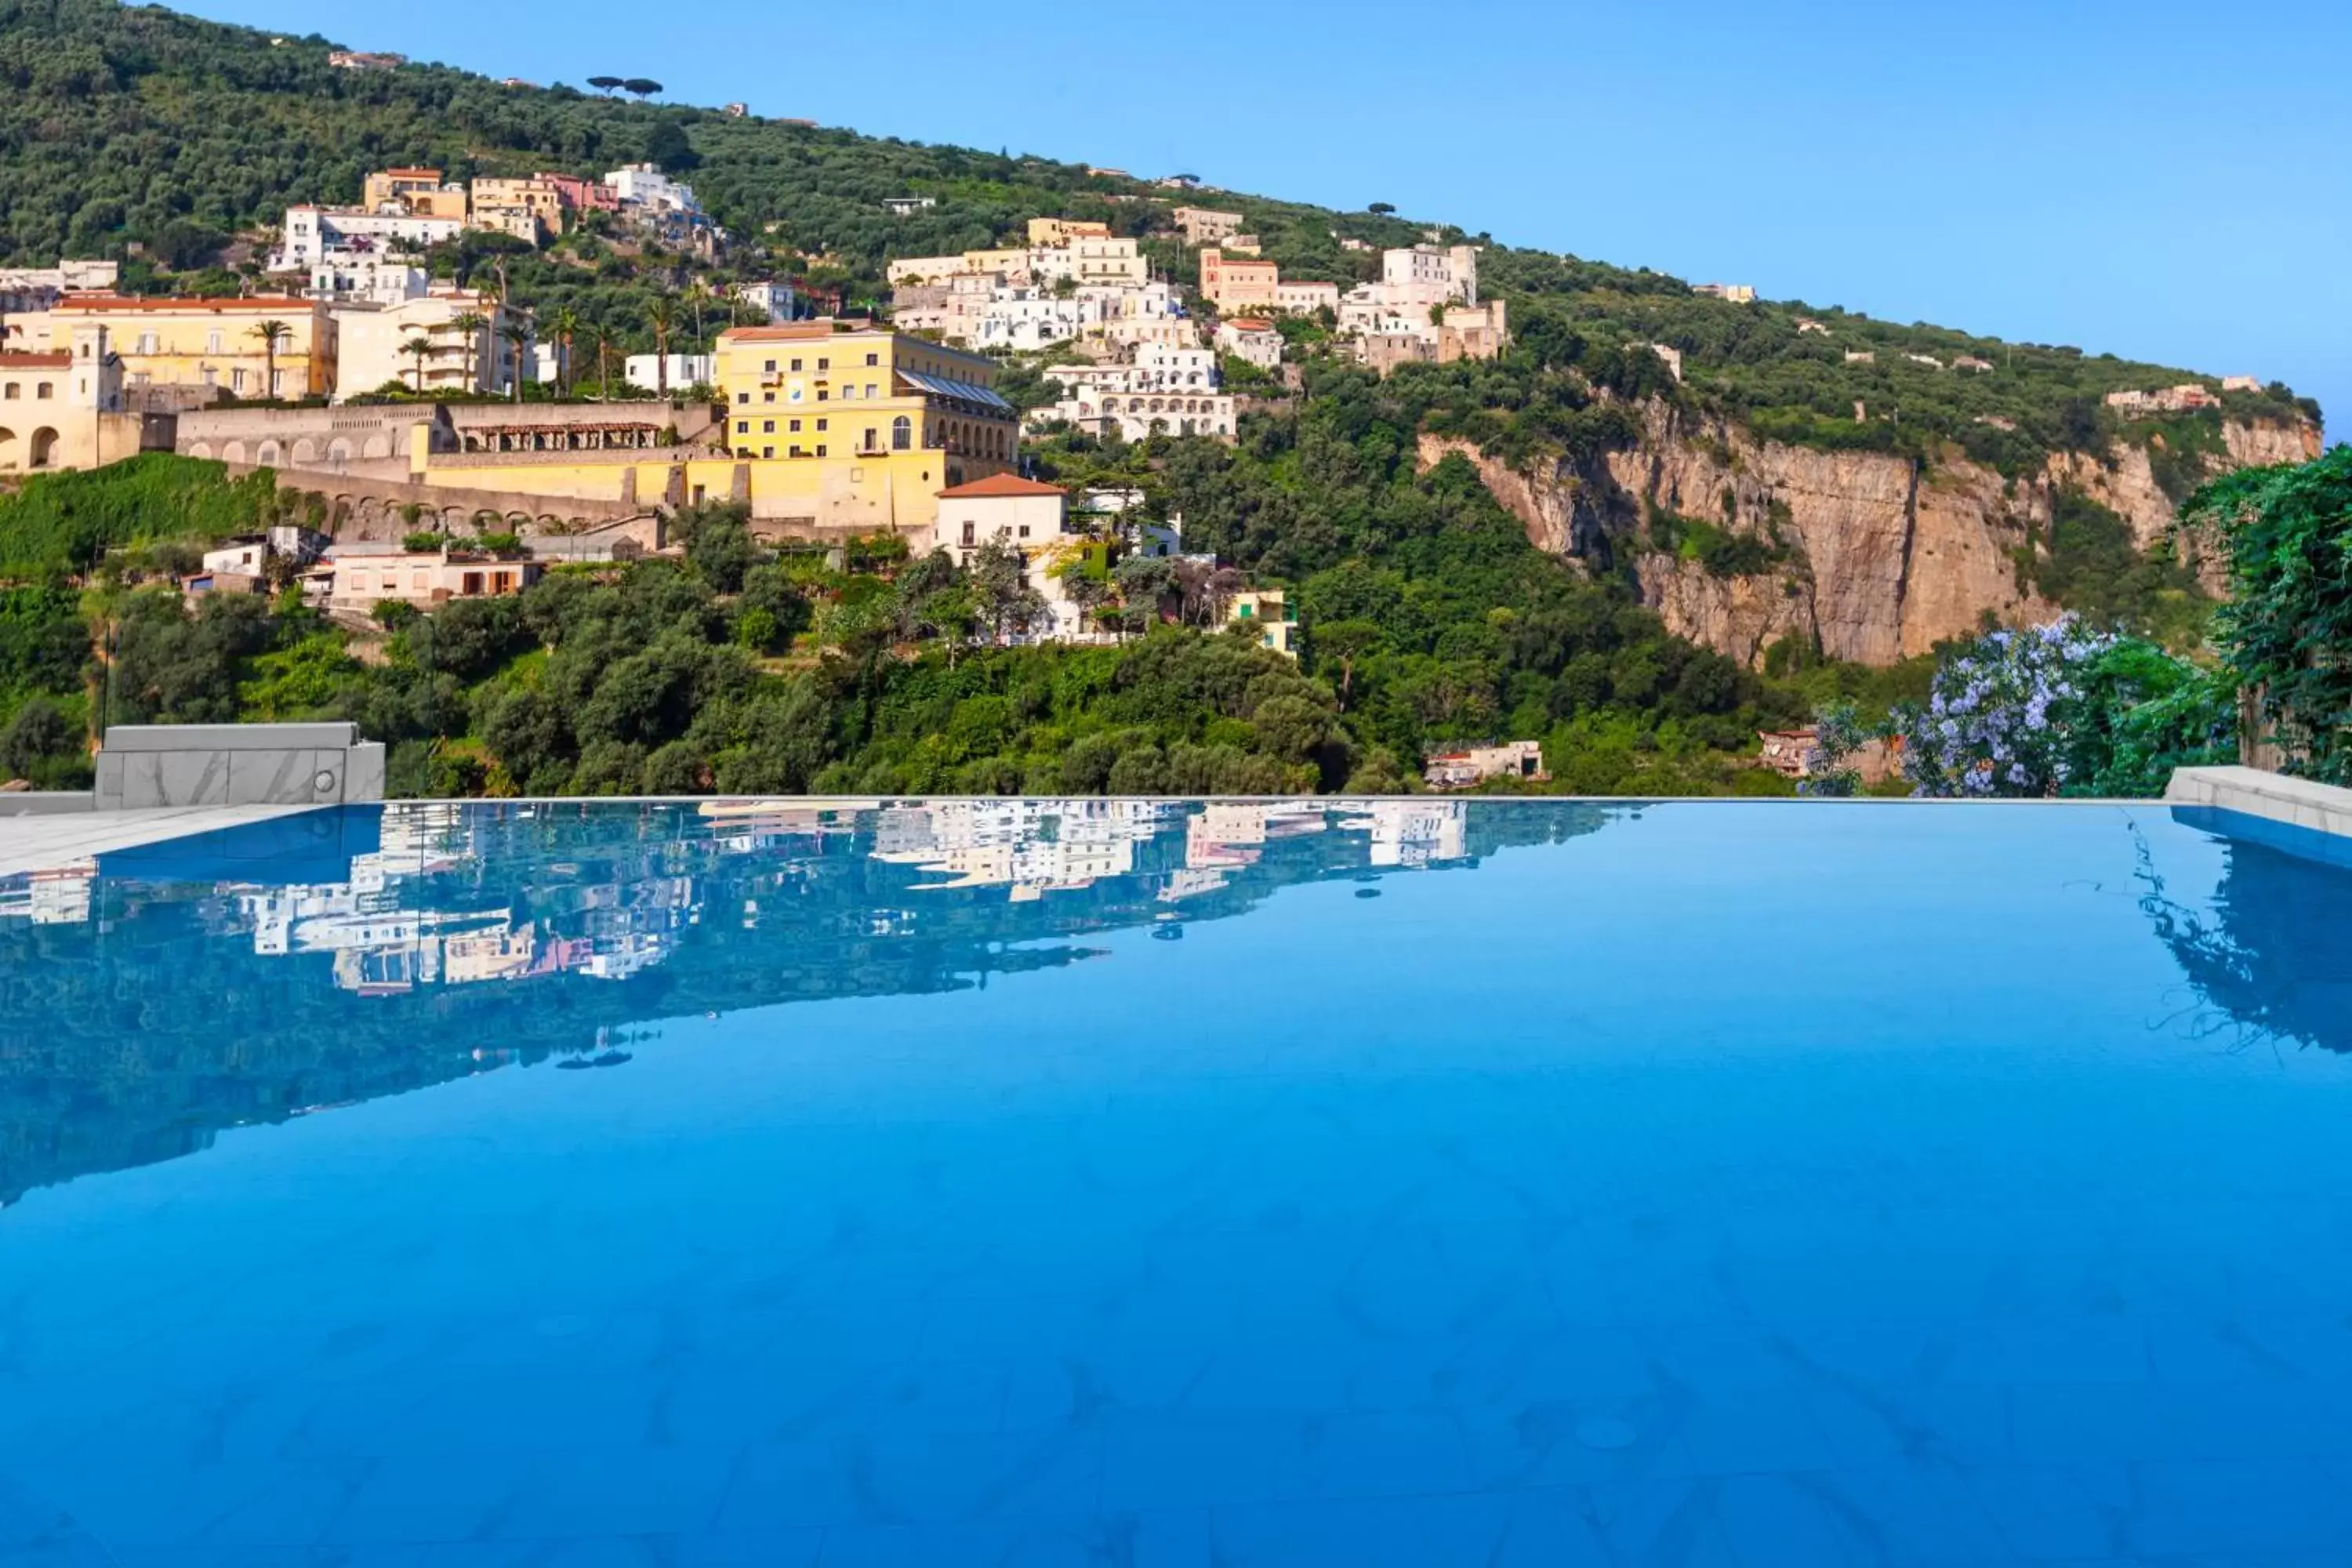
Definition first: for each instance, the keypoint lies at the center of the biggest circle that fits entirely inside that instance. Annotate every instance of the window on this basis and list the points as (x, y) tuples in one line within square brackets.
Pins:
[(870, 390), (873, 359), (767, 426), (767, 452), (236, 381), (742, 426), (44, 389), (743, 397), (1024, 530), (822, 395), (821, 424), (771, 367), (873, 441), (820, 448), (796, 452), (13, 393), (796, 427), (796, 365), (902, 434), (767, 397), (213, 341), (146, 343), (211, 375), (969, 534), (824, 364)]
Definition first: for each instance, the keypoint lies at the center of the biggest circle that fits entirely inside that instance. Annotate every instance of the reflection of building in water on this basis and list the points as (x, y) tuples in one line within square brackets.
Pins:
[(381, 945), (1224, 835), (1410, 832), (1032, 846), (56, 895)]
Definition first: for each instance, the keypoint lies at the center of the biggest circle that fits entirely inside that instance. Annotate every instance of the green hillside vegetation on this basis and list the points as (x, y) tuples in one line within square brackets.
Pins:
[(123, 126), (176, 144), (1431, 619)]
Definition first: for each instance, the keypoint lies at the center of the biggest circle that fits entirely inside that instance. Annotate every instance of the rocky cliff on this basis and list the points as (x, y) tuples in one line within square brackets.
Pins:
[(1872, 558)]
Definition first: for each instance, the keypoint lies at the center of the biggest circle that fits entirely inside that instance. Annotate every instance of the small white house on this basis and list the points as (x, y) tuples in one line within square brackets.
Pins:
[(643, 371)]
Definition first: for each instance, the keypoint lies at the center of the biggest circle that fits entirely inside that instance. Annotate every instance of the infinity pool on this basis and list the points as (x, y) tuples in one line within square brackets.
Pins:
[(1131, 1184)]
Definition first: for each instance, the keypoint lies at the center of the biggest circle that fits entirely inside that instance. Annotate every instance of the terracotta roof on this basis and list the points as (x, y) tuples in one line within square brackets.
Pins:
[(797, 331), (999, 485), (35, 362), (1251, 325), (129, 303)]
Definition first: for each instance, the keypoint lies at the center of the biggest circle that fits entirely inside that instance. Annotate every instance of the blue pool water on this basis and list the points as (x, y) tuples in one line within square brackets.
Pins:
[(1102, 1183)]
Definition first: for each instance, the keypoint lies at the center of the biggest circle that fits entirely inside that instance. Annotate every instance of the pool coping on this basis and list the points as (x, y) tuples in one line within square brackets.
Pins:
[(2274, 797)]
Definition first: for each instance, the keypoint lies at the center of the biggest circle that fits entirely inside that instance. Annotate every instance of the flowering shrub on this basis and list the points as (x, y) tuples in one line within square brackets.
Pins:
[(1838, 733), (2064, 710)]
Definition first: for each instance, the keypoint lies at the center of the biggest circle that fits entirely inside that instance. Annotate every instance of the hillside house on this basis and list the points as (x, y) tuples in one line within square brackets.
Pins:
[(1475, 764)]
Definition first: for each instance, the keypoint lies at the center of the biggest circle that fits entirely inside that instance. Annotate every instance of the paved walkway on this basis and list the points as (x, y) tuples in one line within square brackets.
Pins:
[(40, 843)]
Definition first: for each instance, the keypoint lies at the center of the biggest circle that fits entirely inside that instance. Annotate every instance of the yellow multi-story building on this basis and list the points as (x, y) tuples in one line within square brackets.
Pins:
[(826, 428), (215, 344), (541, 199), (418, 192), (1044, 231)]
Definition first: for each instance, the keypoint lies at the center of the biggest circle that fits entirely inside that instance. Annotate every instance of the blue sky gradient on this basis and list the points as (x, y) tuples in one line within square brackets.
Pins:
[(2153, 180)]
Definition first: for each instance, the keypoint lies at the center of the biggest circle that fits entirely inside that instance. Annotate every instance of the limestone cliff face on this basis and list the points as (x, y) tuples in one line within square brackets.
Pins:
[(1878, 557)]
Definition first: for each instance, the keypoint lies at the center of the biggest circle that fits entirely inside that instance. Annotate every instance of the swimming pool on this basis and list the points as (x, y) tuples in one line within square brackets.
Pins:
[(1120, 1183)]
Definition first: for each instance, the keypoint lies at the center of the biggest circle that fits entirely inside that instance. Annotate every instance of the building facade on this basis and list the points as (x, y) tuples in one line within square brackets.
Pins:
[(63, 408), (216, 346)]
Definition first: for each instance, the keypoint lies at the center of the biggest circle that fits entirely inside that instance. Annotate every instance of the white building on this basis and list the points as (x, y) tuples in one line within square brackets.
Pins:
[(1025, 319), (646, 371), (23, 290), (1252, 339), (1033, 520), (374, 347), (312, 232), (774, 301), (1090, 259), (643, 185), (346, 278), (1164, 390)]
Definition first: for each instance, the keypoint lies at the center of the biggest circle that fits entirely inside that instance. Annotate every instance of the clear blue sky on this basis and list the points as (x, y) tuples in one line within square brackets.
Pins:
[(2159, 180)]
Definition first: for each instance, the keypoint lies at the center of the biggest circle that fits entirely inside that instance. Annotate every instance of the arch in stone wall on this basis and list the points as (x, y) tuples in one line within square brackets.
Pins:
[(200, 448), (269, 454), (339, 451), (306, 452), (378, 445), (233, 452)]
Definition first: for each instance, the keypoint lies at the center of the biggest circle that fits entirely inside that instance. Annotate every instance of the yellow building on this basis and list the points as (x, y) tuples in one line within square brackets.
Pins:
[(538, 198), (1044, 231), (1012, 264), (211, 343), (825, 431), (64, 409), (416, 191)]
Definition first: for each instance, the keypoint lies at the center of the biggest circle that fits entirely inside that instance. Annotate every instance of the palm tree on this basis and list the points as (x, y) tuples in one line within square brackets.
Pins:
[(420, 350), (271, 333), (604, 341), (661, 315), (471, 323), (563, 326), (517, 334)]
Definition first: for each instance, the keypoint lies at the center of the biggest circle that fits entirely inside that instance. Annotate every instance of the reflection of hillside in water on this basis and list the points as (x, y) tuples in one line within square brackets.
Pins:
[(139, 1016), (2273, 952)]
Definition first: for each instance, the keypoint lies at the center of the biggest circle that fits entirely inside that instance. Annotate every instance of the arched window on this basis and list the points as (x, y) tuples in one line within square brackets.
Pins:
[(902, 434), (269, 454)]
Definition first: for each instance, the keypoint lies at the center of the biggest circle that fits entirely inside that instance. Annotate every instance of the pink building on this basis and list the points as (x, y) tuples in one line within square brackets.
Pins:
[(583, 195)]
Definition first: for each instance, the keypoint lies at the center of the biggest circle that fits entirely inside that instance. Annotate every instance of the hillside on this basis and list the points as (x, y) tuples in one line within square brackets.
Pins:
[(1570, 544), (124, 127)]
